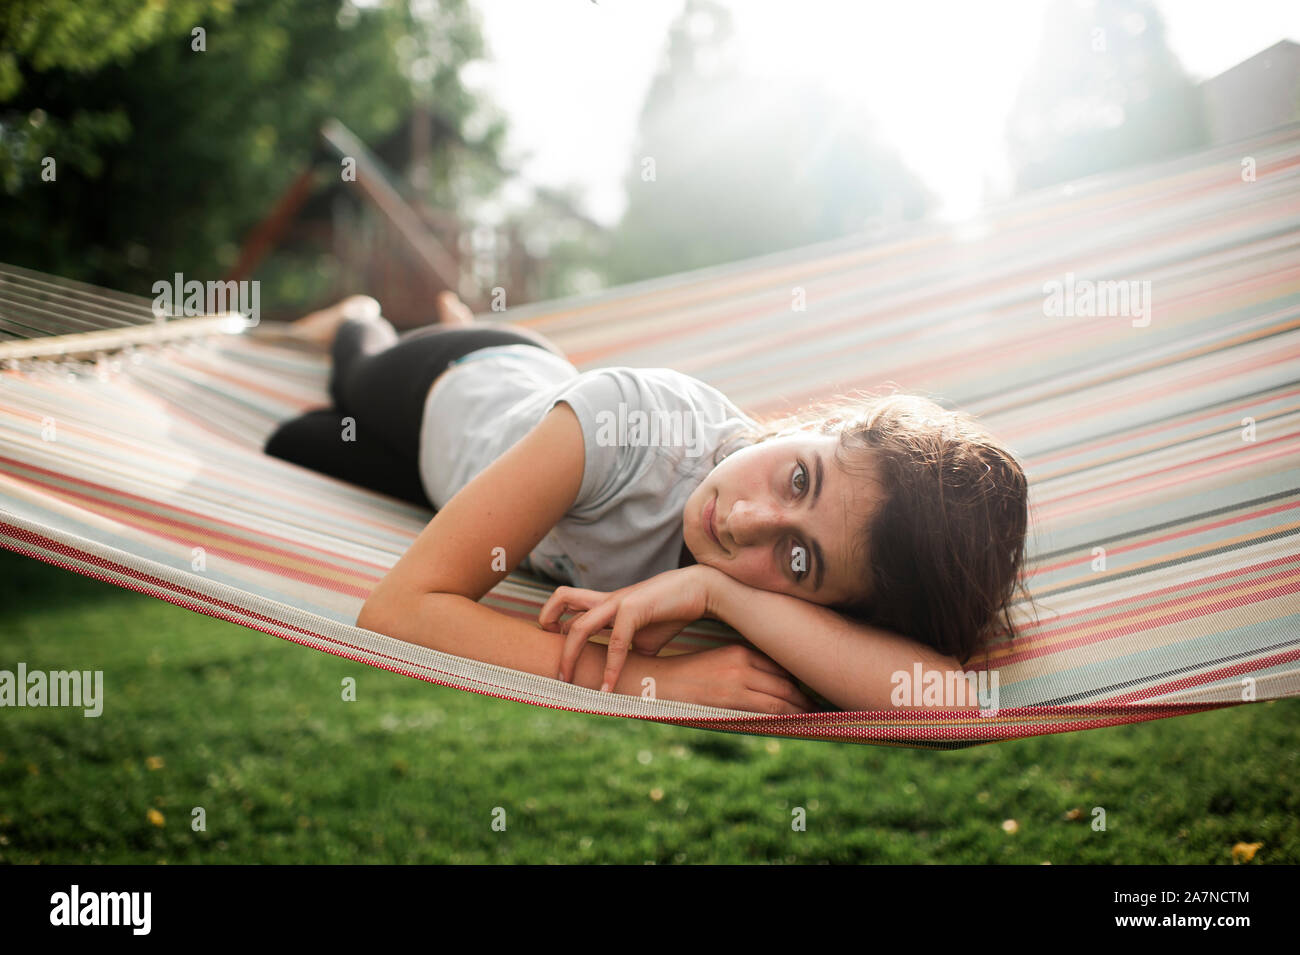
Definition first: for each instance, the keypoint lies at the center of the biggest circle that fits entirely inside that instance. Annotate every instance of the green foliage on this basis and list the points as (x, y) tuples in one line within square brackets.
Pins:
[(79, 37), (729, 166), (169, 145), (1106, 92)]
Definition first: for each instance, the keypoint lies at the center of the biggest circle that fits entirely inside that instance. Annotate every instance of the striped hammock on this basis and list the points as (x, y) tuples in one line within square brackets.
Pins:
[(1163, 449)]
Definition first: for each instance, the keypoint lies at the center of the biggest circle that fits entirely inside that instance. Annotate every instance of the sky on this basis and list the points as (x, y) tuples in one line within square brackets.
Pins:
[(571, 75)]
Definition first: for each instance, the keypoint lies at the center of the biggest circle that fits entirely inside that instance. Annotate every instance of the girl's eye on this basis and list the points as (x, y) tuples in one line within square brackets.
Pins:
[(799, 562), (800, 474)]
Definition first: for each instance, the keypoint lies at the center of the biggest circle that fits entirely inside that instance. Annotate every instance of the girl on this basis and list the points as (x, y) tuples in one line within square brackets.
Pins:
[(848, 546)]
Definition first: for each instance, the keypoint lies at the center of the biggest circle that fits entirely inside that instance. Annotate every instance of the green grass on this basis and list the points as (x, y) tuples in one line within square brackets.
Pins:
[(253, 729)]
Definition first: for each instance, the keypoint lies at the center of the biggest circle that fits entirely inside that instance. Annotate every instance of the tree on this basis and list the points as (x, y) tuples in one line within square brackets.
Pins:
[(729, 166), (1106, 92), (174, 127)]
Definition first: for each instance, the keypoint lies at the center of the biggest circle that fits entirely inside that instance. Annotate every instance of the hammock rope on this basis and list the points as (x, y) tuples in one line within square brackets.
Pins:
[(1162, 444), (43, 316)]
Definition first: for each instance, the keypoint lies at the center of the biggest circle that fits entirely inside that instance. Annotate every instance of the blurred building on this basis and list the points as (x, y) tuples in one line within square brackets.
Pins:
[(1255, 95), (363, 210)]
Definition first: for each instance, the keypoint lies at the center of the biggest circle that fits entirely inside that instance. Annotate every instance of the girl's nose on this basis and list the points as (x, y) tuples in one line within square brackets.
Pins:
[(748, 521)]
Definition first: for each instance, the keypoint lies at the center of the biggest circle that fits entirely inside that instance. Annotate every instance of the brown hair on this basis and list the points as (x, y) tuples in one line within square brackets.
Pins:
[(945, 551)]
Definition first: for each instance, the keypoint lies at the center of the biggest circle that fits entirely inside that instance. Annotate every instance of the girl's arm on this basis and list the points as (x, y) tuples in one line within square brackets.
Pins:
[(848, 663), (430, 596)]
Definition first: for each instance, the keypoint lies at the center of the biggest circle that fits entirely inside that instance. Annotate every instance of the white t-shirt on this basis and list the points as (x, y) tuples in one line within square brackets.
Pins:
[(649, 435)]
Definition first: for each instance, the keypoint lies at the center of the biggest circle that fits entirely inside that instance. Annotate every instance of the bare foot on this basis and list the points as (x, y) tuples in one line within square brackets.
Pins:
[(451, 310), (319, 327)]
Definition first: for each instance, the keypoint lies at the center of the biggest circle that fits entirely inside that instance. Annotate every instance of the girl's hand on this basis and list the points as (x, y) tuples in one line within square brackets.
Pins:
[(735, 677), (644, 616)]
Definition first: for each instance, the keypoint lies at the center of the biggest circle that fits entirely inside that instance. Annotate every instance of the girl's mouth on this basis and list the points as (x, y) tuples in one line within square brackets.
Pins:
[(708, 521)]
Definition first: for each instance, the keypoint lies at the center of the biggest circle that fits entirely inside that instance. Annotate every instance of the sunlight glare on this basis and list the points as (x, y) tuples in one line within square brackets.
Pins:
[(895, 64)]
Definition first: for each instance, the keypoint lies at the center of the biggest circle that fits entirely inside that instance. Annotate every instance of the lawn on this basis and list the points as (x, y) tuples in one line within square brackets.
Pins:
[(254, 731)]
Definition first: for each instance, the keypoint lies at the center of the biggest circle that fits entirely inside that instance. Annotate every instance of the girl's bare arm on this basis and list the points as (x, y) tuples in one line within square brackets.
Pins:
[(430, 596), (848, 663)]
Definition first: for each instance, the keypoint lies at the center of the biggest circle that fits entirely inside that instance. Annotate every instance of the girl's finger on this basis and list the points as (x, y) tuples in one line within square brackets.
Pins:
[(764, 662), (548, 613), (781, 688), (626, 624), (555, 607), (572, 650), (555, 622), (782, 707), (580, 631), (563, 599)]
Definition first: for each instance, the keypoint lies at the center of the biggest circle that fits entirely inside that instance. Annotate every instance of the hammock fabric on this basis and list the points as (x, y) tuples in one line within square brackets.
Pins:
[(1173, 445)]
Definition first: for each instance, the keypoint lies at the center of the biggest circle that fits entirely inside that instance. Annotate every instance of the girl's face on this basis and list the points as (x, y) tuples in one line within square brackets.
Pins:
[(781, 515)]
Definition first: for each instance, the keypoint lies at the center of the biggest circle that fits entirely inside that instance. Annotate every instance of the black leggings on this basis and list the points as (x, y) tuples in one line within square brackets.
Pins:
[(381, 379)]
